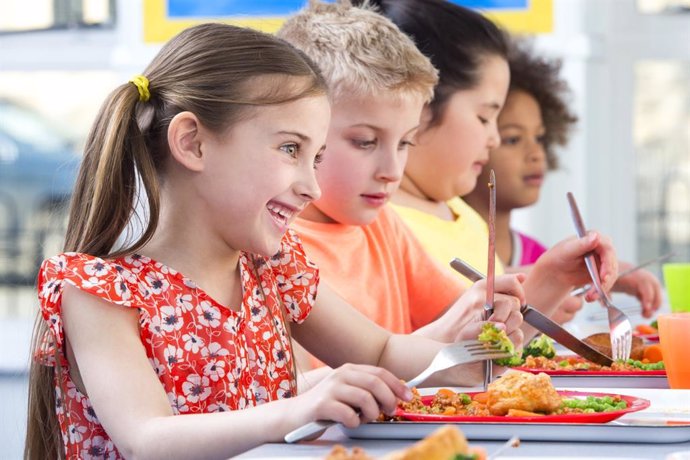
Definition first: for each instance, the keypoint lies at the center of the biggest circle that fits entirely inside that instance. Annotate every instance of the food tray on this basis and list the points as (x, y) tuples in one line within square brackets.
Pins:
[(667, 420), (615, 431), (611, 381)]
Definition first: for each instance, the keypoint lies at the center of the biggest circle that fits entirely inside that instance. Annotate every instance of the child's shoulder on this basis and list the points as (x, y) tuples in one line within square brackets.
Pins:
[(115, 279), (70, 262)]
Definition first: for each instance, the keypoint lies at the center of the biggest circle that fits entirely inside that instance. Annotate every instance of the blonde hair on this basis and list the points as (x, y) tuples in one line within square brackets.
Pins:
[(221, 73), (359, 51)]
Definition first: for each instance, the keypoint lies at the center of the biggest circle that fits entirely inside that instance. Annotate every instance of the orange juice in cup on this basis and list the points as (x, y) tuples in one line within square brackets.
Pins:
[(674, 335)]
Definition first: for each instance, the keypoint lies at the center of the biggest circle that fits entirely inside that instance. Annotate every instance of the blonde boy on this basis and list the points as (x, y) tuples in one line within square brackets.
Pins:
[(379, 82)]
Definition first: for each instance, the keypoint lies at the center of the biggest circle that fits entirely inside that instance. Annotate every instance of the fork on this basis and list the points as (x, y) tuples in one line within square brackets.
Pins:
[(619, 325), (465, 352)]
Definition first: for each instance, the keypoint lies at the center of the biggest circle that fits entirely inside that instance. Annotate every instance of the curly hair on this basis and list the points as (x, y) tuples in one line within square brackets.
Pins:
[(540, 77)]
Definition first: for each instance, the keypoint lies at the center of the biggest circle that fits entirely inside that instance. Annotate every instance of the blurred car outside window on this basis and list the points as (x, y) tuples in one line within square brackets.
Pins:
[(38, 167)]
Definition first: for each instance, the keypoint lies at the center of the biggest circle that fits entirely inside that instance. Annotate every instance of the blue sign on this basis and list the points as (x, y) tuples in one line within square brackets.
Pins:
[(224, 8), (186, 9), (493, 4)]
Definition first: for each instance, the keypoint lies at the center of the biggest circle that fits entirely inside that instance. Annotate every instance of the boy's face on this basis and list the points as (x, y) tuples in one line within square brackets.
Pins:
[(366, 152)]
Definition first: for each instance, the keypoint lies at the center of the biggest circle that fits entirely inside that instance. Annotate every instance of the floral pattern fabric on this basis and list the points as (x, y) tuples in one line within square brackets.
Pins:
[(207, 357)]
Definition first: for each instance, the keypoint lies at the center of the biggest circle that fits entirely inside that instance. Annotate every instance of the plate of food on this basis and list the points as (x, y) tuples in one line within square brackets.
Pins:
[(574, 365), (644, 369), (647, 332), (520, 397)]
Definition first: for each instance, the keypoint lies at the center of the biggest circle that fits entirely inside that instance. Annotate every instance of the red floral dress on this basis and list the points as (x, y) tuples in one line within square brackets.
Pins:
[(207, 357)]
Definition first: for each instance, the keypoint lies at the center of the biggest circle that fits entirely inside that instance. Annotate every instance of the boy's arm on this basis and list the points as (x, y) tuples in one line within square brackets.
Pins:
[(463, 320), (337, 333)]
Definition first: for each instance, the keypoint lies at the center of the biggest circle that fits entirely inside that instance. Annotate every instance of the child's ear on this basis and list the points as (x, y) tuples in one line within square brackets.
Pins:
[(184, 139)]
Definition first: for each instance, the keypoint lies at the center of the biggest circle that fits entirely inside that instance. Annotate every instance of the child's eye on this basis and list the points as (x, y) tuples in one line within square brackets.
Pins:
[(318, 159), (291, 149), (363, 143), (511, 140), (541, 139), (406, 144), (483, 120)]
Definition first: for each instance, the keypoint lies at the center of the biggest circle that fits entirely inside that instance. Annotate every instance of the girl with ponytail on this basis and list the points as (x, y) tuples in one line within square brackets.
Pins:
[(175, 343)]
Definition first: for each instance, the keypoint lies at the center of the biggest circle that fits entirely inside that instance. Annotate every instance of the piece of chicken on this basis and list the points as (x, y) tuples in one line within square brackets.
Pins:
[(522, 391)]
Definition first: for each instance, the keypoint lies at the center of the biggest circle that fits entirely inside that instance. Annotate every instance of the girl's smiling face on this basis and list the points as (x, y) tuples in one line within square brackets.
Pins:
[(448, 157), (261, 173)]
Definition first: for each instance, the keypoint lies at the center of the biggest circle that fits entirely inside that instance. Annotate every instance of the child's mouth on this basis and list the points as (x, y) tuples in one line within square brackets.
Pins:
[(534, 180), (281, 214), (376, 199)]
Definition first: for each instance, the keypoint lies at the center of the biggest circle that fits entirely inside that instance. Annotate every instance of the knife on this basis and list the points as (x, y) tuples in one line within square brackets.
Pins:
[(490, 269), (541, 322)]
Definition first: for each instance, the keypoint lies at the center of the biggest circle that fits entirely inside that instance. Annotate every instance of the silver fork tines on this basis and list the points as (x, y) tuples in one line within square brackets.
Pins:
[(619, 325), (458, 353), (465, 352)]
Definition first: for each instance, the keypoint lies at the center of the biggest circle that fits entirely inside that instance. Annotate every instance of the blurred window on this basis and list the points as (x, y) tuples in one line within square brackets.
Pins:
[(22, 125), (33, 15), (663, 6), (662, 145)]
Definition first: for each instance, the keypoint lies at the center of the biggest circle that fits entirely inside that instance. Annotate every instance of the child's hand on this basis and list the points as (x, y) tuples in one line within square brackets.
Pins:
[(643, 285), (351, 394), (508, 297), (565, 262), (567, 309)]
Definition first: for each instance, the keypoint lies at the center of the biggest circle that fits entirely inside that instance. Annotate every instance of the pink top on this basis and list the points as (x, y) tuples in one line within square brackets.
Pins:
[(526, 250), (207, 357)]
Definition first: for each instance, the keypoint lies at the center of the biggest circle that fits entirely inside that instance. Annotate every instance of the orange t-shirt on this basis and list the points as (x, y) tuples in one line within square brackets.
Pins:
[(382, 270)]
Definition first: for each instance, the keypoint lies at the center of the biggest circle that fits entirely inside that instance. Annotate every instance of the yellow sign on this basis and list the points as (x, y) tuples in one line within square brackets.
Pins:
[(165, 18), (536, 19)]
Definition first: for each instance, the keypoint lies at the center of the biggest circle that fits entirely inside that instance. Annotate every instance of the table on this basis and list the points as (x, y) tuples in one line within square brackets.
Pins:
[(528, 449)]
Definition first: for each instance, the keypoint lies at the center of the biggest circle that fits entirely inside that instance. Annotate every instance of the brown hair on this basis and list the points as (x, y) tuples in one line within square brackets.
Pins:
[(458, 41), (540, 78), (221, 73)]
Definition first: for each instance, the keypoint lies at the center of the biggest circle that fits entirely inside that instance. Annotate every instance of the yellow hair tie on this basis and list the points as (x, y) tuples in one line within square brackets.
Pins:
[(142, 84)]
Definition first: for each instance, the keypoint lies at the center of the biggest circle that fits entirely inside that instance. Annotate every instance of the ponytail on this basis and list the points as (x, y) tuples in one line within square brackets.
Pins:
[(103, 202)]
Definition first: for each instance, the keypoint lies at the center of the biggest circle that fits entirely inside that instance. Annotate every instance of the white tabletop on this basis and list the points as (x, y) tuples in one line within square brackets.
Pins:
[(528, 449)]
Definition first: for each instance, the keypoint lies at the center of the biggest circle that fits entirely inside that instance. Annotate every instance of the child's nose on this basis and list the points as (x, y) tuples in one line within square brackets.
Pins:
[(391, 166), (307, 186), (536, 152), (494, 139)]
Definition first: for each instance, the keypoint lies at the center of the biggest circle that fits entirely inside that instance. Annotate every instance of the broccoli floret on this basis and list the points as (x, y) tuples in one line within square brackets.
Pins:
[(494, 336), (541, 345), (655, 324)]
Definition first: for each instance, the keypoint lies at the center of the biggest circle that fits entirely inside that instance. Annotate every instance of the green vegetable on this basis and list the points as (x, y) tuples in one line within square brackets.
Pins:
[(492, 335), (646, 366), (464, 457), (655, 324), (541, 345), (465, 399), (594, 404)]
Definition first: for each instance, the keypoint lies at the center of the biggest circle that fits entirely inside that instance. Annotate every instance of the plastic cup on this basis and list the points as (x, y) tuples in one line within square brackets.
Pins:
[(677, 281), (674, 335)]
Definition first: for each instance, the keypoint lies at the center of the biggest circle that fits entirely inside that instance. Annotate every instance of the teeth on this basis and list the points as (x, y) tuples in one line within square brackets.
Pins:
[(282, 211)]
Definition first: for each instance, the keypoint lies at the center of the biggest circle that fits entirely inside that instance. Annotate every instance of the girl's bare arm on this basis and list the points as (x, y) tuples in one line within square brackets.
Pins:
[(132, 405)]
